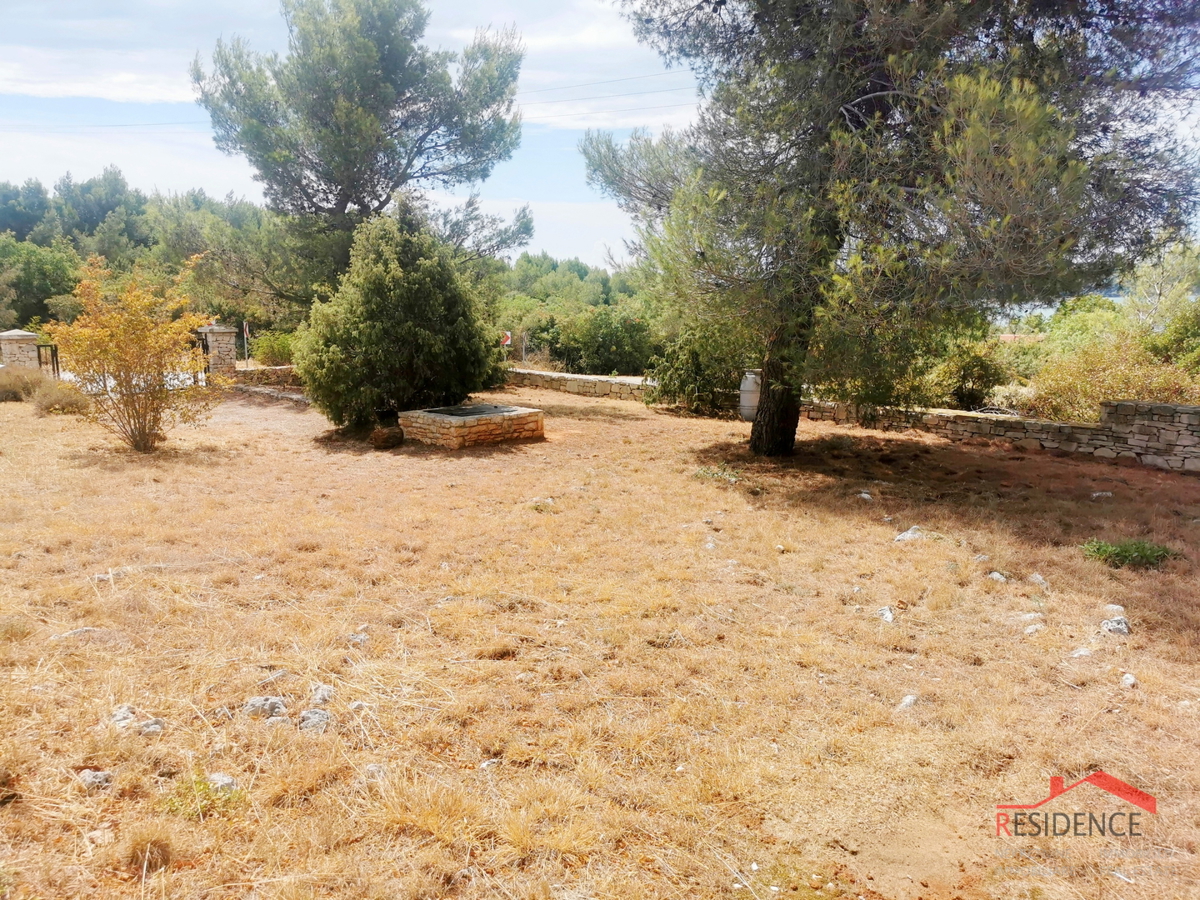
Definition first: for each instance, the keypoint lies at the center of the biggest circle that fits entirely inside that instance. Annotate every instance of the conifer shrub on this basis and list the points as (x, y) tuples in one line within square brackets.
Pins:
[(402, 332)]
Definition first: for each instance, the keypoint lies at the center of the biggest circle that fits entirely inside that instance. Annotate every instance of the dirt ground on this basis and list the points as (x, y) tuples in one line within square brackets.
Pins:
[(626, 661)]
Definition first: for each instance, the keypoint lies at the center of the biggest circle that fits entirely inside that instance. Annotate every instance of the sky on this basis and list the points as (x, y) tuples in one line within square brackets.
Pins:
[(90, 83)]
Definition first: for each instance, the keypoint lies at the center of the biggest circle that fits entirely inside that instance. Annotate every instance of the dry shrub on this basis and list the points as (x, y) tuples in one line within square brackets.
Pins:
[(148, 849), (133, 354), (18, 383), (60, 397), (1071, 387)]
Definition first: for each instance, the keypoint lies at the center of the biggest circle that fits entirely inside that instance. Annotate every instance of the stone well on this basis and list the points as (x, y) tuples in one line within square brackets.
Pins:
[(455, 427)]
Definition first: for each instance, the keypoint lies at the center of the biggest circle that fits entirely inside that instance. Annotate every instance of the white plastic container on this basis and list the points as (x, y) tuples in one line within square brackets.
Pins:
[(748, 402)]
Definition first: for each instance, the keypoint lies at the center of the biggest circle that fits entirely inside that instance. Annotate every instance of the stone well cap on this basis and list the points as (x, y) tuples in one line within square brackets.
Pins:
[(17, 333), (217, 328)]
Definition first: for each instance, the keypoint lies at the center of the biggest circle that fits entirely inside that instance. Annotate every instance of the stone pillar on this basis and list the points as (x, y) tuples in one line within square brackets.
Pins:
[(222, 348), (19, 348)]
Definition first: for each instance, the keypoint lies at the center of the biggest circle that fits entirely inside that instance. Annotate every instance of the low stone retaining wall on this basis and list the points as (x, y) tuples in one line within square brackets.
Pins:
[(497, 423), (1153, 434), (619, 387), (272, 376)]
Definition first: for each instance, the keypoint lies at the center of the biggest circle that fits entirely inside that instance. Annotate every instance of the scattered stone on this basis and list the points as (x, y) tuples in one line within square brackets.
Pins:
[(359, 706), (866, 495), (1037, 579), (152, 727), (100, 837), (709, 545), (1034, 628), (265, 707), (1115, 625), (358, 639), (488, 763), (375, 772), (322, 694), (1114, 609), (278, 720), (314, 720), (123, 716), (78, 632), (982, 557), (221, 783), (1032, 617), (387, 438), (779, 548), (1081, 652), (95, 780), (907, 702), (889, 518), (1129, 680), (887, 614), (996, 576), (915, 533), (1101, 495)]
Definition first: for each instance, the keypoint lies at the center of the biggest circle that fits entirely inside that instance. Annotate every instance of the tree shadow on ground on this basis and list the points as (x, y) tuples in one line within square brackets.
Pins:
[(334, 441), (1038, 498), (119, 458)]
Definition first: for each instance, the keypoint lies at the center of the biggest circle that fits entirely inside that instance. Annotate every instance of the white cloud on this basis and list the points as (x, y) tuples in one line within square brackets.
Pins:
[(141, 76)]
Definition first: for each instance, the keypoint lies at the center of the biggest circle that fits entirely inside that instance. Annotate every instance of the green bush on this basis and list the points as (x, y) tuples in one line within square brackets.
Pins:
[(606, 340), (272, 348), (1128, 554), (966, 377), (18, 383), (700, 369), (400, 333)]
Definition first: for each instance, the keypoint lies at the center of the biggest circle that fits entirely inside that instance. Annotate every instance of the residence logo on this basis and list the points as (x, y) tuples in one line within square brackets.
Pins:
[(1025, 820)]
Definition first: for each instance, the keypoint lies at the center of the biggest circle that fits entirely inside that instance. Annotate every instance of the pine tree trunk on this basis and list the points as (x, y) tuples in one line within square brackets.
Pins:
[(774, 429)]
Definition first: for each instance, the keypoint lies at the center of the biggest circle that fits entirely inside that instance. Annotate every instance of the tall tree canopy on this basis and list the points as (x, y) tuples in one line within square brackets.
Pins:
[(359, 108), (866, 170)]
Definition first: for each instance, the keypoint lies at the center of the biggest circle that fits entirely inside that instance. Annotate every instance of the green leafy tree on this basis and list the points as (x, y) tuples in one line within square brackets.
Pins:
[(359, 108), (400, 333), (23, 207), (867, 172), (35, 275)]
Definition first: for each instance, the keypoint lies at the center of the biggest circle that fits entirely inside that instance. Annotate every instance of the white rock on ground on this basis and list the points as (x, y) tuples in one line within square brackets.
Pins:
[(322, 694), (94, 779), (887, 614), (152, 727), (996, 576), (359, 706), (1037, 579), (1101, 495), (265, 707), (1035, 628), (220, 782), (278, 720), (314, 720), (865, 495), (1081, 652), (1114, 609), (1115, 625), (123, 716), (1129, 680), (907, 702), (916, 533), (375, 772)]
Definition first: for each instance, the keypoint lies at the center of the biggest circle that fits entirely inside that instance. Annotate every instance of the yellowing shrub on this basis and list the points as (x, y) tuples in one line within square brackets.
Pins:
[(1070, 387)]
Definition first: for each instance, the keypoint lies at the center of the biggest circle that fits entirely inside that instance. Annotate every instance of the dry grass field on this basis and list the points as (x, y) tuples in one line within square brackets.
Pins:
[(626, 662)]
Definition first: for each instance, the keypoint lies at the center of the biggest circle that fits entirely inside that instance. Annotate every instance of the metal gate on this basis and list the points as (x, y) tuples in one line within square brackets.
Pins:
[(48, 358)]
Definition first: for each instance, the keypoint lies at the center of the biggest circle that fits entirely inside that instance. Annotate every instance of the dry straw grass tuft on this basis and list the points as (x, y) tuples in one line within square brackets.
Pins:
[(629, 661)]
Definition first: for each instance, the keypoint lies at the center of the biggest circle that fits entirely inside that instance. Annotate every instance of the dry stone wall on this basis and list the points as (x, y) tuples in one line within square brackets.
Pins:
[(19, 348), (270, 376), (453, 432), (615, 386), (1153, 434)]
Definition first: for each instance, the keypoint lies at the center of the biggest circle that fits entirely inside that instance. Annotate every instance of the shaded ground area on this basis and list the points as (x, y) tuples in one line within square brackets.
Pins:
[(626, 661)]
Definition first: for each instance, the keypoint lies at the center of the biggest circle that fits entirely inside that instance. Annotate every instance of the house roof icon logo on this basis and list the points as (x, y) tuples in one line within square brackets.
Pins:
[(1102, 780)]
